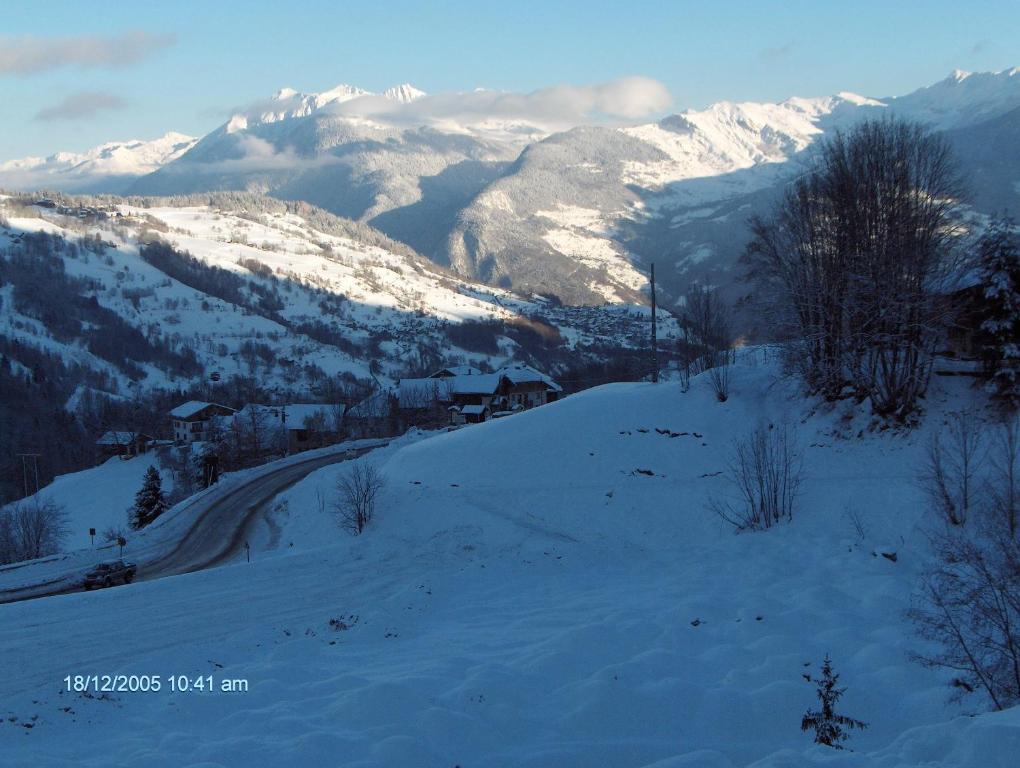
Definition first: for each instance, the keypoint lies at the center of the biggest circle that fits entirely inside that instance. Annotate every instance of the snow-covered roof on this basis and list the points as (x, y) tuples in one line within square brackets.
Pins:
[(418, 393), (295, 415), (456, 370), (193, 407), (119, 437), (299, 413), (473, 410), (523, 374), (480, 384), (373, 407)]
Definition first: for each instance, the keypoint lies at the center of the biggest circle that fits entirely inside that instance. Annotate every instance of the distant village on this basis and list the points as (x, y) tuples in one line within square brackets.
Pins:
[(451, 397)]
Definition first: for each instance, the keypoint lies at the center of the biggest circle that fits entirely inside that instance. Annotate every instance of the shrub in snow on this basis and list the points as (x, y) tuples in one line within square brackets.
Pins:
[(766, 469), (969, 602), (830, 729), (357, 491), (950, 471), (1003, 486), (970, 605), (112, 533), (999, 256), (149, 501), (707, 340), (31, 528)]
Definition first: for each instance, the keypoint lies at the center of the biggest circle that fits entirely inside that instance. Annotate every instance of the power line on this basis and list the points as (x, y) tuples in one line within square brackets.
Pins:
[(24, 469)]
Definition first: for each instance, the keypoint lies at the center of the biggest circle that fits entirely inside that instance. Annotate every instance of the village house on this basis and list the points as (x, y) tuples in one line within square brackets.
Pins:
[(295, 427), (193, 421), (465, 395), (375, 416), (123, 443)]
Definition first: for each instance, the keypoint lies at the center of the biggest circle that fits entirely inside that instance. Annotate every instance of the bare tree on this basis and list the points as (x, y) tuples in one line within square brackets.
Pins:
[(1004, 482), (766, 469), (970, 605), (949, 475), (31, 528), (706, 318), (856, 254), (686, 354), (357, 491)]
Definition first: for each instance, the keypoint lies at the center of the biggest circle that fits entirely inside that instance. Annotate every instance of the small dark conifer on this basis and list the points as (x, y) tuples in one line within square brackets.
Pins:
[(830, 729)]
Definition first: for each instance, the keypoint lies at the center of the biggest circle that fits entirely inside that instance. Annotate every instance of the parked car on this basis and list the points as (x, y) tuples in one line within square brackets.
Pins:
[(109, 573)]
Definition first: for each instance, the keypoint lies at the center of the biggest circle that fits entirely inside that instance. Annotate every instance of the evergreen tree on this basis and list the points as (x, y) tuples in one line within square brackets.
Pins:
[(1000, 277), (830, 728), (150, 502)]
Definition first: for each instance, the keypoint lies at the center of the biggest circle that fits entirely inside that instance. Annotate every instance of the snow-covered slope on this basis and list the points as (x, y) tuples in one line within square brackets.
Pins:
[(547, 589), (962, 99), (355, 153), (110, 167), (100, 497), (679, 191), (308, 294)]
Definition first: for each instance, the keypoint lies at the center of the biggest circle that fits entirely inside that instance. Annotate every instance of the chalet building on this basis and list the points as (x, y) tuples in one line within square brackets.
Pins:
[(375, 416), (470, 414), (194, 420), (465, 395), (122, 443), (295, 426)]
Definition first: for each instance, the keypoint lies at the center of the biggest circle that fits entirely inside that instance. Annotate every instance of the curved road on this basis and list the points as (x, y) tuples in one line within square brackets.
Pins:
[(216, 535)]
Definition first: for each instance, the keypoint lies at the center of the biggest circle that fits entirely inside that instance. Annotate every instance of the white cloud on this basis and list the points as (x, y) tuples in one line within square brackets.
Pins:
[(81, 105), (32, 54), (558, 106), (548, 109)]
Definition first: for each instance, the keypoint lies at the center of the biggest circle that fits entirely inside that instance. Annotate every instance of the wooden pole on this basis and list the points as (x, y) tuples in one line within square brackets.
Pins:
[(655, 334)]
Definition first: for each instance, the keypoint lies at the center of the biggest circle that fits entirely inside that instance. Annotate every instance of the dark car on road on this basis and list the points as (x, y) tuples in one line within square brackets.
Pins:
[(109, 573)]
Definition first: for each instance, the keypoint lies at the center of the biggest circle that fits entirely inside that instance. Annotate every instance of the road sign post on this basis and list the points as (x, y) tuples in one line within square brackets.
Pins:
[(92, 535)]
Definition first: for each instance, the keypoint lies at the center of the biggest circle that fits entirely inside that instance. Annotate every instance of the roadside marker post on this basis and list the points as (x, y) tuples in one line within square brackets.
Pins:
[(92, 535)]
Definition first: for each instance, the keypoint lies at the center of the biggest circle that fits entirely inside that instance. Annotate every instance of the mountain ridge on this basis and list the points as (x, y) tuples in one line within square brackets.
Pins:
[(580, 213)]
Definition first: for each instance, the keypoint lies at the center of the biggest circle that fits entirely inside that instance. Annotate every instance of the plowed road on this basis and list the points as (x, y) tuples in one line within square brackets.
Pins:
[(222, 522)]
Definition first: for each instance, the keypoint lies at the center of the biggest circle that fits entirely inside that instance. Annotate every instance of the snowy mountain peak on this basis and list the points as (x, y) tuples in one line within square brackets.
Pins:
[(405, 93), (96, 169), (961, 99), (339, 94)]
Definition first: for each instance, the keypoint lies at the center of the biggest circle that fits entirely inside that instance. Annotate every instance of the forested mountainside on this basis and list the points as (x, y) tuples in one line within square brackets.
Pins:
[(111, 304)]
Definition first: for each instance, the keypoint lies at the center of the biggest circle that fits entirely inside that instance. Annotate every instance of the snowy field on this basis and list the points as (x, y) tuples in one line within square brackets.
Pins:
[(100, 497), (543, 590)]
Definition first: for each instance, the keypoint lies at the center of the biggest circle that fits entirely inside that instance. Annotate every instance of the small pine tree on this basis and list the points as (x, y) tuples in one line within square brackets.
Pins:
[(150, 502), (1000, 276), (830, 728)]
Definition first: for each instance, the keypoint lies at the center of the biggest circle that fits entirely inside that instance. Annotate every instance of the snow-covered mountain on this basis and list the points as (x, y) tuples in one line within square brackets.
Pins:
[(962, 99), (284, 293), (580, 213), (679, 191), (110, 167), (357, 154)]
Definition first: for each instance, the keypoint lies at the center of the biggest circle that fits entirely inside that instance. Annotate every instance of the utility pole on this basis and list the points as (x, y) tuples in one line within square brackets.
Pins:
[(655, 334), (24, 469)]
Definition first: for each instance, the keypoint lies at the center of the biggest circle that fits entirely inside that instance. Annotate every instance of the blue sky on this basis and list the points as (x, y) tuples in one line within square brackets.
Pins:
[(75, 74)]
